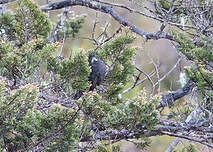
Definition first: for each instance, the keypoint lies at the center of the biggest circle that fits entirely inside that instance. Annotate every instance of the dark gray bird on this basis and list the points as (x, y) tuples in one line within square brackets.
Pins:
[(98, 72)]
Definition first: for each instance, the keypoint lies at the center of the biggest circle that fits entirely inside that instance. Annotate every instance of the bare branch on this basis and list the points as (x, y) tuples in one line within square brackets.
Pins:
[(48, 12), (60, 24), (3, 8), (6, 1), (150, 80), (173, 144), (188, 138), (137, 82), (172, 69), (172, 129), (170, 98), (108, 10), (192, 116)]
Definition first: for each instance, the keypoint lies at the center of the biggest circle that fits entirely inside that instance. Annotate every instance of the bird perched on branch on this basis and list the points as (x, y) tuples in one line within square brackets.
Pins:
[(98, 72)]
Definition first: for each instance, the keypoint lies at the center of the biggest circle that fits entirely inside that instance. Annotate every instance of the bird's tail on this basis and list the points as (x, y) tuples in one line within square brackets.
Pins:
[(78, 94)]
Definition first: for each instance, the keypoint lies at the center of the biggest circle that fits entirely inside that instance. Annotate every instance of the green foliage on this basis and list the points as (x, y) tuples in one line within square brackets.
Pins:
[(186, 46), (76, 71), (57, 120), (72, 73), (112, 93), (14, 107), (6, 25), (117, 55), (27, 29), (201, 72), (201, 53), (144, 144), (27, 24), (202, 56), (10, 60), (165, 6), (133, 114), (30, 22), (116, 148), (46, 51), (23, 48), (136, 114), (102, 148), (189, 148), (71, 27), (21, 125), (201, 76), (53, 64), (23, 61)]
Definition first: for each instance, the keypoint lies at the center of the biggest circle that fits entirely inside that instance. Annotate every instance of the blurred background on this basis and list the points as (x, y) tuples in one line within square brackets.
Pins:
[(158, 50)]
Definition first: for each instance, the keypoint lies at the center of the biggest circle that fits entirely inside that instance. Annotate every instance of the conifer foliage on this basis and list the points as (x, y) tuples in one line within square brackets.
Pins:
[(38, 111), (24, 126)]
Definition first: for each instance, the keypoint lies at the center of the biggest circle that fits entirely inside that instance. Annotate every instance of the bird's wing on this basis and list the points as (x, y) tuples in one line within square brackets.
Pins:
[(97, 74)]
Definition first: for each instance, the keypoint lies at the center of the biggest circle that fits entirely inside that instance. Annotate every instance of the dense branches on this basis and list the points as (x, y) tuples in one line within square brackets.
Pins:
[(39, 113)]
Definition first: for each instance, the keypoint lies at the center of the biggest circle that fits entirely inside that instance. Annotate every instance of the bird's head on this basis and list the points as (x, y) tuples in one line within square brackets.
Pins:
[(92, 58)]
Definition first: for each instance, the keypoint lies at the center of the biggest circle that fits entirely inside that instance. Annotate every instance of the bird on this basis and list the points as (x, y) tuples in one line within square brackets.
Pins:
[(96, 76), (98, 71)]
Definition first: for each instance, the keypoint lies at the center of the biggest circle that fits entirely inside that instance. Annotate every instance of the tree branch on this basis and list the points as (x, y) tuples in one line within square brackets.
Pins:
[(6, 1), (170, 98), (191, 117), (108, 10), (105, 9), (3, 8), (175, 131), (60, 24)]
